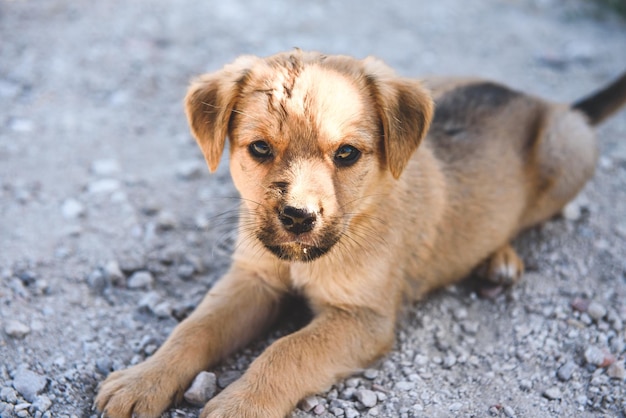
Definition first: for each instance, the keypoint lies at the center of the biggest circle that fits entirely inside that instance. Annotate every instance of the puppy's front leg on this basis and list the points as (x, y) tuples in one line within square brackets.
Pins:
[(337, 342), (237, 309)]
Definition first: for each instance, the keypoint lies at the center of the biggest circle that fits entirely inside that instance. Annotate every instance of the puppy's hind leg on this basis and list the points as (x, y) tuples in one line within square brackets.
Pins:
[(504, 267)]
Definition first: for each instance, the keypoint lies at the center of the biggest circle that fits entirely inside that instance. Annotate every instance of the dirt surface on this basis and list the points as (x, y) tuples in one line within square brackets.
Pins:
[(100, 180)]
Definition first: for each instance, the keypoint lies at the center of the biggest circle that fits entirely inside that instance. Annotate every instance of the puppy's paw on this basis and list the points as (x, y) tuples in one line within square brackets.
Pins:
[(240, 400), (504, 267), (142, 391)]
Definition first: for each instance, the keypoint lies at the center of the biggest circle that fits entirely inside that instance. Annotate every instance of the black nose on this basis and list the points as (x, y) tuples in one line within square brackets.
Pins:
[(297, 220)]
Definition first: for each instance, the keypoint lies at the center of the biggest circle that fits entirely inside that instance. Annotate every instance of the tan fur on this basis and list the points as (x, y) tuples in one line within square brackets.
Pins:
[(394, 225)]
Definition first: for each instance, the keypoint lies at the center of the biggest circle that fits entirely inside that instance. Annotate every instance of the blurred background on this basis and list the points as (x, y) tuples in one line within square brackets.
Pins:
[(97, 168)]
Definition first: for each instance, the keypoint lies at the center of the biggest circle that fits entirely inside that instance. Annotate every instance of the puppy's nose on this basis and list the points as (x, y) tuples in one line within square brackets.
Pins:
[(297, 221)]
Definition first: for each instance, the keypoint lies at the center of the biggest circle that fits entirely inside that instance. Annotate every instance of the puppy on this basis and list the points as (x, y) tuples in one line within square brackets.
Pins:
[(341, 207)]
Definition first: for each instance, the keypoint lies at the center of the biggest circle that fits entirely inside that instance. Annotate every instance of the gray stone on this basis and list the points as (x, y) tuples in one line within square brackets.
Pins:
[(140, 279), (227, 378), (572, 211), (6, 409), (370, 374), (104, 365), (594, 355), (104, 186), (319, 409), (97, 281), (566, 370), (404, 386), (508, 411), (596, 310), (202, 389), (29, 384), (366, 397), (616, 371), (309, 403), (8, 394), (166, 221), (16, 329), (42, 403), (105, 167), (114, 273), (72, 209), (455, 407), (552, 393), (351, 412), (449, 361)]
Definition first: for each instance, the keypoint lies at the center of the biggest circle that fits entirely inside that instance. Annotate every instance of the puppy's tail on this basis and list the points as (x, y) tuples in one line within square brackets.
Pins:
[(603, 103)]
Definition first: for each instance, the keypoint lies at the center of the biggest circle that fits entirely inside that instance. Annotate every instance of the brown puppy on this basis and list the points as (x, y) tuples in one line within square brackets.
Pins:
[(338, 206)]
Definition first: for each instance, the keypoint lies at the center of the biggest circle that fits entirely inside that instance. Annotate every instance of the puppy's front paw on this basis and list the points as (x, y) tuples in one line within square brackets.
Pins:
[(504, 267), (240, 400), (144, 391)]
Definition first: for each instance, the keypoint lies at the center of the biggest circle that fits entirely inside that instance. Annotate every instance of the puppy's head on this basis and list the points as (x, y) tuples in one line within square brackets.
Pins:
[(311, 138)]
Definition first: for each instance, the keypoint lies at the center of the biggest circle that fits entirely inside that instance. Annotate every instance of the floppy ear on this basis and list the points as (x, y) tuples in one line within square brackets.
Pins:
[(405, 109), (209, 105)]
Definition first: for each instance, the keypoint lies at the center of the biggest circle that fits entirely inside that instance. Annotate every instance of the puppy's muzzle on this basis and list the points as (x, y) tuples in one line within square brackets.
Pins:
[(296, 220)]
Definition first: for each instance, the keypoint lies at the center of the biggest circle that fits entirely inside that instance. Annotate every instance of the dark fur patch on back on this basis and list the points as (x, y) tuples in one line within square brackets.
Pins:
[(465, 104), (462, 113)]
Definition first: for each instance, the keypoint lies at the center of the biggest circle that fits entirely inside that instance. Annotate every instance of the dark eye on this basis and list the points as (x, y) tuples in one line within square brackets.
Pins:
[(346, 155), (260, 150)]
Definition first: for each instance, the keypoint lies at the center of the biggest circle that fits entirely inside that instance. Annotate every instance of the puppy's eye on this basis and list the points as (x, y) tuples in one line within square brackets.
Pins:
[(346, 155), (260, 150)]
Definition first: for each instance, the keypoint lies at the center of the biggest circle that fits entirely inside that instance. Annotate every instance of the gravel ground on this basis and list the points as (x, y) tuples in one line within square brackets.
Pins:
[(111, 228)]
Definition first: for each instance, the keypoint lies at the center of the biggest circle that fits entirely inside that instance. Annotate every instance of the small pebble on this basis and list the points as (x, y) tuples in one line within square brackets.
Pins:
[(308, 403), (104, 365), (72, 209), (104, 186), (227, 378), (202, 389), (616, 371), (470, 327), (9, 395), (29, 384), (552, 393), (370, 374), (319, 409), (525, 384), (572, 211), (166, 221), (449, 361), (580, 304), (598, 357), (366, 397), (16, 329), (566, 370), (105, 167), (140, 279), (404, 386), (596, 310), (508, 411), (42, 403), (114, 273), (338, 412), (351, 412), (460, 314)]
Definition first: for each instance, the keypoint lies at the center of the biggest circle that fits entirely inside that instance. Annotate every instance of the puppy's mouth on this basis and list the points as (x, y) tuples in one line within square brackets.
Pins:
[(298, 247), (295, 251)]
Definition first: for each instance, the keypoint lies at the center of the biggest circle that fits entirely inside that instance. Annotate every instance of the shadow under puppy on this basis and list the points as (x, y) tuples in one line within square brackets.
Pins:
[(340, 206)]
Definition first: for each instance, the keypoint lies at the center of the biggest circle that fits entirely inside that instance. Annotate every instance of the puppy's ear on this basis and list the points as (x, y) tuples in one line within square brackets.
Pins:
[(209, 106), (405, 109)]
